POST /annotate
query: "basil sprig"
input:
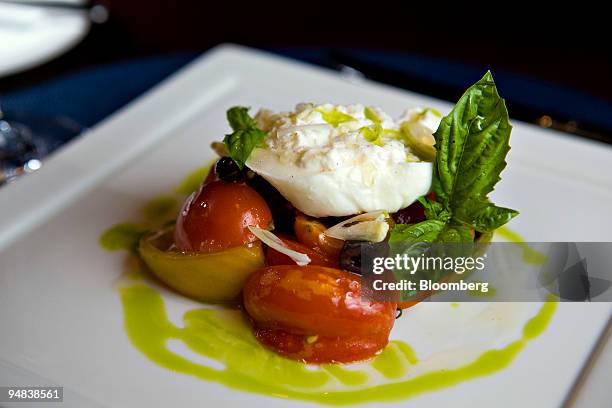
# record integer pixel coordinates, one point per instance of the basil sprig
(246, 135)
(472, 142)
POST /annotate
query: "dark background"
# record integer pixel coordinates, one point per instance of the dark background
(567, 47)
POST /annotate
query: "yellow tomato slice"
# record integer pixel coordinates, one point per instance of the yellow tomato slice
(215, 277)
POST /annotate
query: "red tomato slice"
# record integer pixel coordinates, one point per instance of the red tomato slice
(218, 215)
(319, 349)
(315, 300)
(316, 314)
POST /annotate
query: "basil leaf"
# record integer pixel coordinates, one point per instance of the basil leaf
(413, 239)
(241, 143)
(428, 237)
(455, 234)
(434, 210)
(239, 119)
(471, 144)
(425, 231)
(488, 217)
(246, 135)
(430, 231)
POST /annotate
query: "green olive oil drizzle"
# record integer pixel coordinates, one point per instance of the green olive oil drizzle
(530, 255)
(161, 209)
(223, 336)
(122, 236)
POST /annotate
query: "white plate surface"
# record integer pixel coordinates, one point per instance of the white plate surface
(30, 35)
(61, 320)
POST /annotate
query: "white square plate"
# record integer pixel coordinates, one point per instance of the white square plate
(61, 320)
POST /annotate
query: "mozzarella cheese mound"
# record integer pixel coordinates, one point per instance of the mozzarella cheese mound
(337, 160)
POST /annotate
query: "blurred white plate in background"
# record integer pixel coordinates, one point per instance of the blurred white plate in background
(30, 35)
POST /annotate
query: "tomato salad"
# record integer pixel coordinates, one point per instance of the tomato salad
(278, 224)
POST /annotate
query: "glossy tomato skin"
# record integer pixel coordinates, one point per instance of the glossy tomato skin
(273, 257)
(212, 174)
(315, 300)
(217, 217)
(310, 232)
(320, 349)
